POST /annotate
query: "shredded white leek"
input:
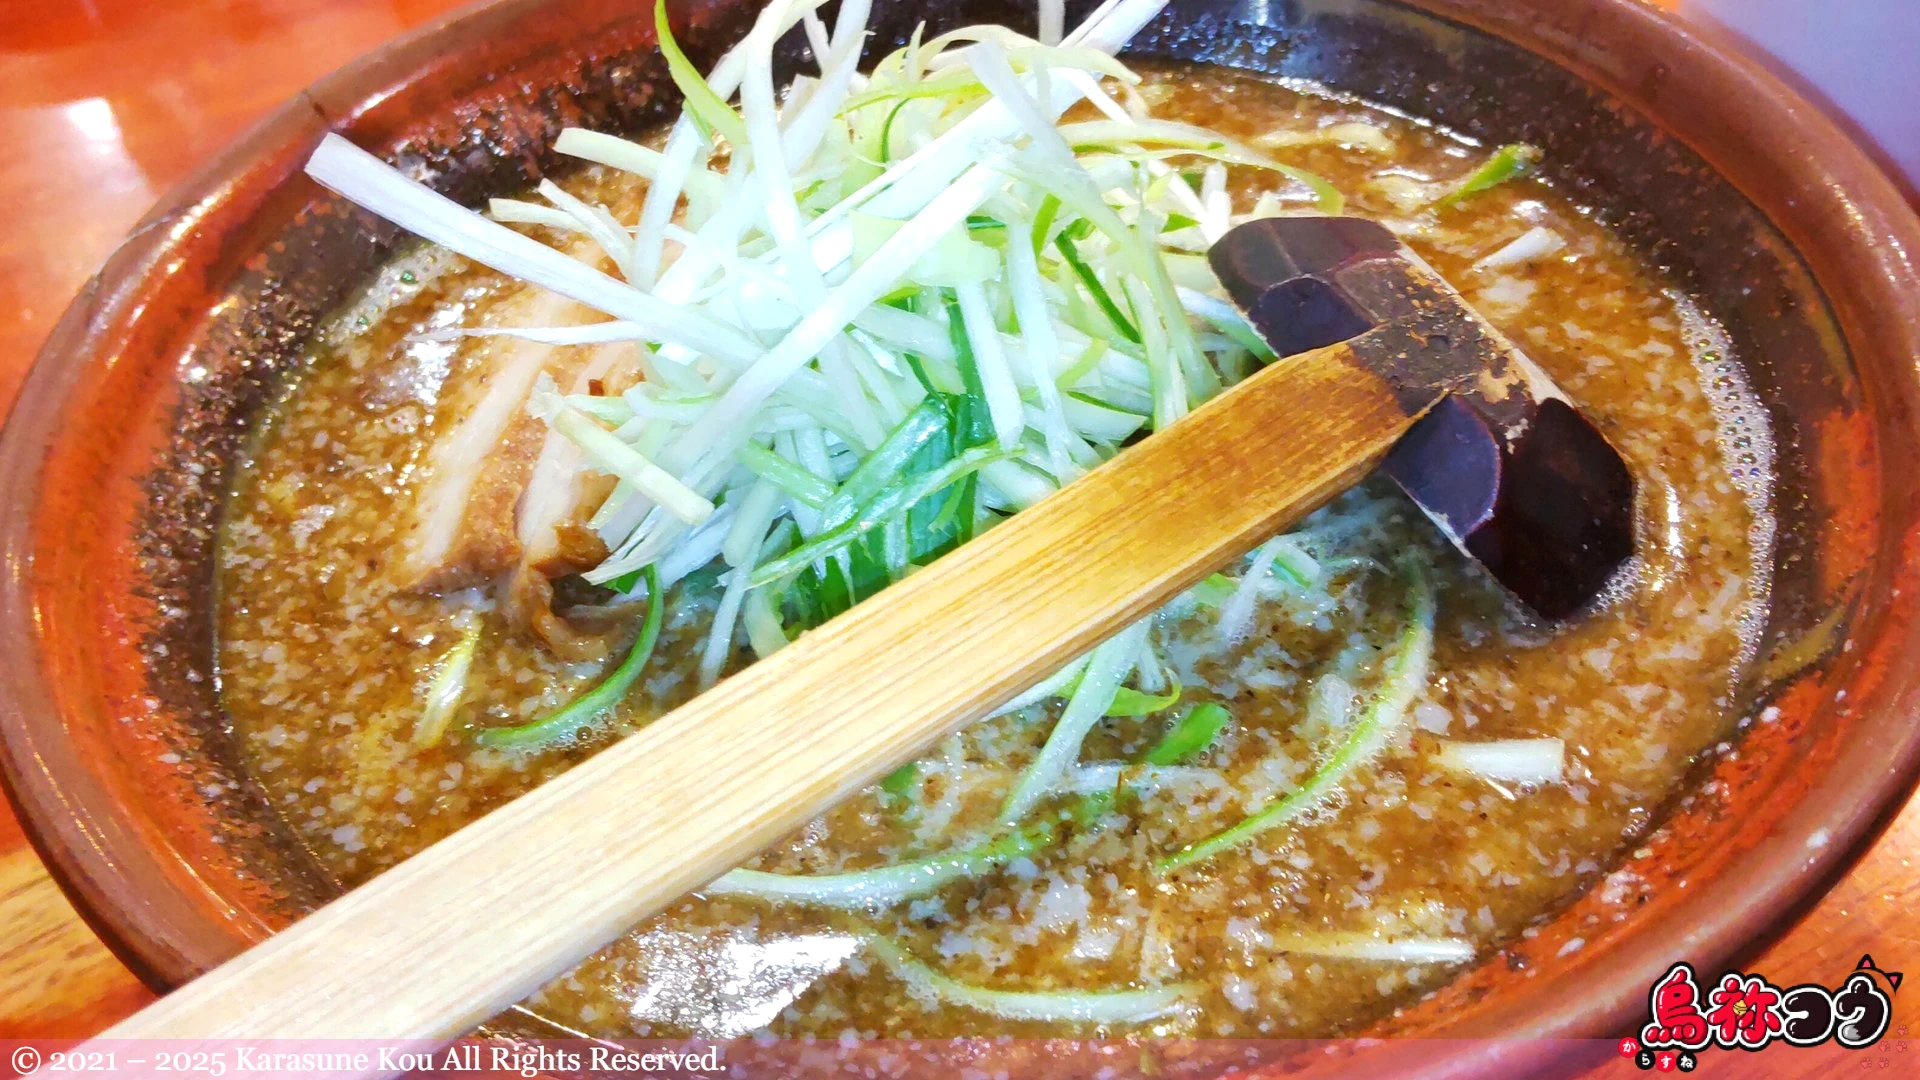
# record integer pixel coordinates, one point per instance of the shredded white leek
(1405, 676)
(448, 687)
(618, 458)
(877, 316)
(1531, 246)
(1073, 1006)
(1515, 761)
(819, 256)
(1107, 667)
(884, 885)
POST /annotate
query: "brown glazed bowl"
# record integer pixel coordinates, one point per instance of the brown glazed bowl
(114, 462)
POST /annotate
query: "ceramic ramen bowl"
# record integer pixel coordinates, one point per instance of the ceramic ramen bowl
(114, 463)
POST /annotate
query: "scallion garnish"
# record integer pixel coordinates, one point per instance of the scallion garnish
(705, 106)
(1404, 677)
(1508, 162)
(899, 305)
(1130, 702)
(1071, 253)
(883, 885)
(566, 723)
(1191, 734)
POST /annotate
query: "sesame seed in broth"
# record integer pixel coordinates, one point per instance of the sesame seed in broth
(324, 665)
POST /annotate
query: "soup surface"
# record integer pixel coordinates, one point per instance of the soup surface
(1410, 868)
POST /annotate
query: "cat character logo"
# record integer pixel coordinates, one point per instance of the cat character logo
(1746, 1012)
(1862, 1011)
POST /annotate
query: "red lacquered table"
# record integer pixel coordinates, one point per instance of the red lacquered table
(105, 103)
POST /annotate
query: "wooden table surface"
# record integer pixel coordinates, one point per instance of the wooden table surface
(105, 103)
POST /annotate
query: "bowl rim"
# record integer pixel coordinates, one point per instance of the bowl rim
(1782, 153)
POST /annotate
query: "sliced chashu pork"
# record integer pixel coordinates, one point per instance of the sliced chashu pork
(467, 526)
(563, 490)
(551, 525)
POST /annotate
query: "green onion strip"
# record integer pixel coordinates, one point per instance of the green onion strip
(566, 724)
(1404, 678)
